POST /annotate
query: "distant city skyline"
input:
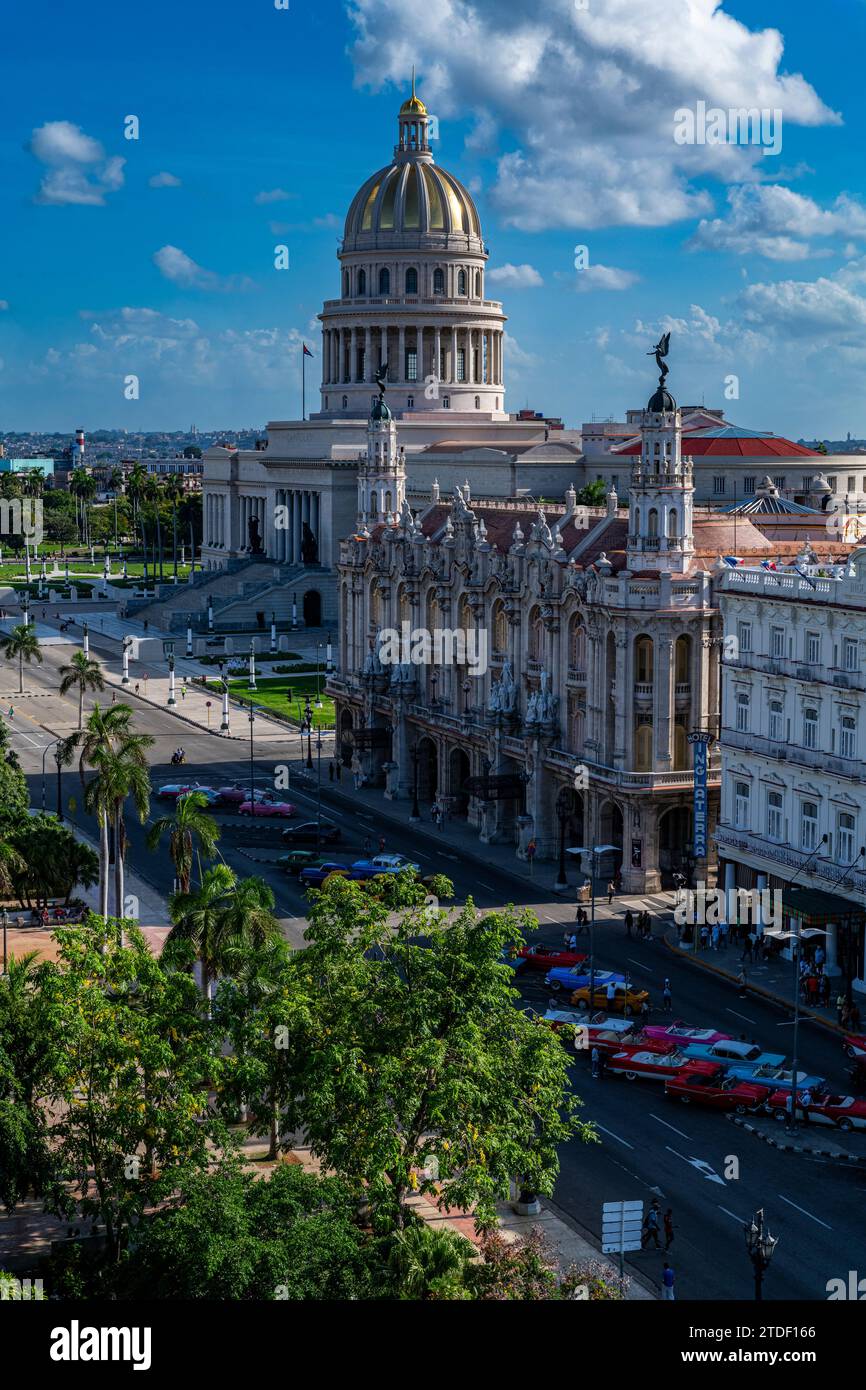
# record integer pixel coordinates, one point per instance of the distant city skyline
(153, 257)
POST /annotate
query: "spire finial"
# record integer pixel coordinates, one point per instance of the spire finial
(413, 79)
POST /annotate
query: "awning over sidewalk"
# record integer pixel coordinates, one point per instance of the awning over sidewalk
(815, 908)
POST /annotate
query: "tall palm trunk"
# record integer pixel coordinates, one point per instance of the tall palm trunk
(103, 865)
(81, 705)
(118, 860)
(159, 539)
(174, 540)
(20, 673)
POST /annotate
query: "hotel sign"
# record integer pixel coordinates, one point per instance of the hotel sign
(700, 742)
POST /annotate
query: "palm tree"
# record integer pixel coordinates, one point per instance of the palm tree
(105, 729)
(191, 831)
(115, 485)
(22, 643)
(220, 915)
(153, 493)
(11, 863)
(122, 771)
(175, 494)
(85, 673)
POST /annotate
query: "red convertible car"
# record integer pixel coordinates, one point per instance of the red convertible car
(639, 1064)
(855, 1046)
(843, 1112)
(702, 1083)
(540, 957)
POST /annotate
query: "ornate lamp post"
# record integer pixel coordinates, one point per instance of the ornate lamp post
(172, 698)
(760, 1245)
(225, 726)
(308, 723)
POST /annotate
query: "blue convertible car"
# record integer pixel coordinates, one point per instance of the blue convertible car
(559, 978)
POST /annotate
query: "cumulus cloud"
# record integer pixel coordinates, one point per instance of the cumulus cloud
(273, 195)
(581, 102)
(77, 169)
(182, 270)
(605, 277)
(164, 180)
(328, 222)
(777, 223)
(515, 277)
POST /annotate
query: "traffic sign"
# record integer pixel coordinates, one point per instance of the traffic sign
(622, 1224)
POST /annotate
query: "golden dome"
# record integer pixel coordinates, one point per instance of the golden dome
(414, 106)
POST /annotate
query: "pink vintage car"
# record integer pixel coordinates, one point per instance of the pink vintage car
(268, 804)
(679, 1032)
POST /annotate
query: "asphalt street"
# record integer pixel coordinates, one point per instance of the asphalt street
(649, 1147)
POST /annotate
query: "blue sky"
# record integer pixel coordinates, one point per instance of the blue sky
(154, 256)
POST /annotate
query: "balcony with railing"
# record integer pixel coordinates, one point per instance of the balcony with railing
(852, 769)
(781, 858)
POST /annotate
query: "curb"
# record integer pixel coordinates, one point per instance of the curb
(805, 1013)
(855, 1160)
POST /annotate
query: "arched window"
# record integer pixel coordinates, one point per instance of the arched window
(643, 748)
(411, 280)
(682, 657)
(362, 282)
(384, 280)
(577, 645)
(643, 660)
(345, 284)
(461, 282)
(500, 629)
(681, 748)
(478, 284)
(536, 635)
(578, 730)
(438, 281)
(673, 524)
(652, 524)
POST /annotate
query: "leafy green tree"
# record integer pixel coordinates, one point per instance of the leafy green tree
(105, 729)
(121, 772)
(416, 1068)
(61, 528)
(221, 914)
(82, 673)
(192, 832)
(52, 862)
(429, 1264)
(21, 644)
(257, 1007)
(14, 796)
(24, 1065)
(230, 1236)
(134, 1058)
(593, 494)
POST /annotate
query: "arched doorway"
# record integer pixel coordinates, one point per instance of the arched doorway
(313, 608)
(675, 842)
(459, 771)
(610, 833)
(347, 738)
(428, 769)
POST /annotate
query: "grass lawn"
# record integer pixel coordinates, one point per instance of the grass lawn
(272, 694)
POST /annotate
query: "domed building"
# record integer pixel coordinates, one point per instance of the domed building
(412, 265)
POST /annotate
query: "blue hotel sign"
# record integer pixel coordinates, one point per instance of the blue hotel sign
(700, 743)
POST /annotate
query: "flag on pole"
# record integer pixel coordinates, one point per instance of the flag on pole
(307, 352)
(767, 565)
(731, 560)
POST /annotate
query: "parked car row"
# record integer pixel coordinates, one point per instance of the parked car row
(264, 801)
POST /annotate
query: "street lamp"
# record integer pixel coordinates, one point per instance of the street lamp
(760, 1245)
(595, 852)
(252, 718)
(795, 938)
(59, 763)
(319, 646)
(225, 726)
(308, 720)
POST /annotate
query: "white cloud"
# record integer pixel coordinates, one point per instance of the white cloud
(515, 277)
(273, 195)
(4, 305)
(182, 270)
(582, 102)
(329, 221)
(164, 180)
(605, 277)
(777, 223)
(77, 170)
(517, 358)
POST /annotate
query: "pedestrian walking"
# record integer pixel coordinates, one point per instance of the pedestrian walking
(742, 986)
(339, 770)
(611, 889)
(651, 1227)
(11, 711)
(668, 1283)
(611, 996)
(572, 942)
(747, 949)
(595, 1059)
(136, 687)
(667, 998)
(705, 937)
(629, 923)
(716, 937)
(381, 844)
(669, 1229)
(825, 991)
(368, 845)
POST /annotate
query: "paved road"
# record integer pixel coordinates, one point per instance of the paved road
(648, 1146)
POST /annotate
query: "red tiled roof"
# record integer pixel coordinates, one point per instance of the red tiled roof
(732, 447)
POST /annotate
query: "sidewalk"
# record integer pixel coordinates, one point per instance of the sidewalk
(773, 979)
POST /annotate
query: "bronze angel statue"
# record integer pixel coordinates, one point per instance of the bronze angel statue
(660, 352)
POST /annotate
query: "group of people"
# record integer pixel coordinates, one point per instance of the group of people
(640, 923)
(849, 1014)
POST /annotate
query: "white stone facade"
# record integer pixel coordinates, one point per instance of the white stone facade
(793, 740)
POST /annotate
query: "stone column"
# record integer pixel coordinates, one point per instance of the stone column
(368, 354)
(664, 694)
(452, 375)
(437, 350)
(296, 527)
(401, 354)
(624, 704)
(383, 346)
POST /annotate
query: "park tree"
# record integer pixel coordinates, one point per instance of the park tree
(133, 1060)
(21, 644)
(25, 1053)
(14, 796)
(52, 862)
(417, 1070)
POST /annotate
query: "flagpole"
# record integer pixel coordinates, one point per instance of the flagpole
(303, 383)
